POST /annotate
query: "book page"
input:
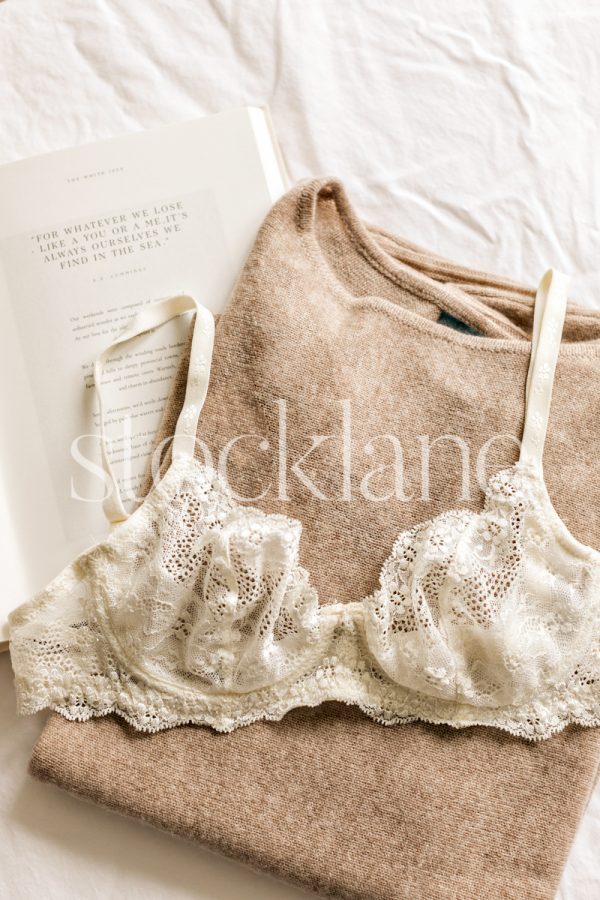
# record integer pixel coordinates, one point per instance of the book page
(87, 237)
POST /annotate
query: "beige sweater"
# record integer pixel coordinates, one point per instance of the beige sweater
(329, 309)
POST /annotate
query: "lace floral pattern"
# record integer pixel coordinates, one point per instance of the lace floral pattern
(196, 610)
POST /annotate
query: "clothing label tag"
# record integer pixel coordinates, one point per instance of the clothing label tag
(458, 325)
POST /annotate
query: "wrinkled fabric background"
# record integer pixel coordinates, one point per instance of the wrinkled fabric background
(471, 128)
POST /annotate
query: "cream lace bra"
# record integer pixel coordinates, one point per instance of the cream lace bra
(195, 609)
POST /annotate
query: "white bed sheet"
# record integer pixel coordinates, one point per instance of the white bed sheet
(470, 127)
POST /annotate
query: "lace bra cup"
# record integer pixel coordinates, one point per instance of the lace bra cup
(195, 609)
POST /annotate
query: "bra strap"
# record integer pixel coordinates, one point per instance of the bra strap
(149, 318)
(548, 320)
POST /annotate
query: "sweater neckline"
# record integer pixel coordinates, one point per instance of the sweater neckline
(447, 296)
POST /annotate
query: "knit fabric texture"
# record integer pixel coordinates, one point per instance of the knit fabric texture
(337, 327)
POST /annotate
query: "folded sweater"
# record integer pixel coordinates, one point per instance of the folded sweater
(331, 315)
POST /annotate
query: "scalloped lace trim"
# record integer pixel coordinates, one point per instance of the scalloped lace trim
(196, 610)
(151, 711)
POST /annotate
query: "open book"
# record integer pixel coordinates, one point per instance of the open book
(87, 236)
